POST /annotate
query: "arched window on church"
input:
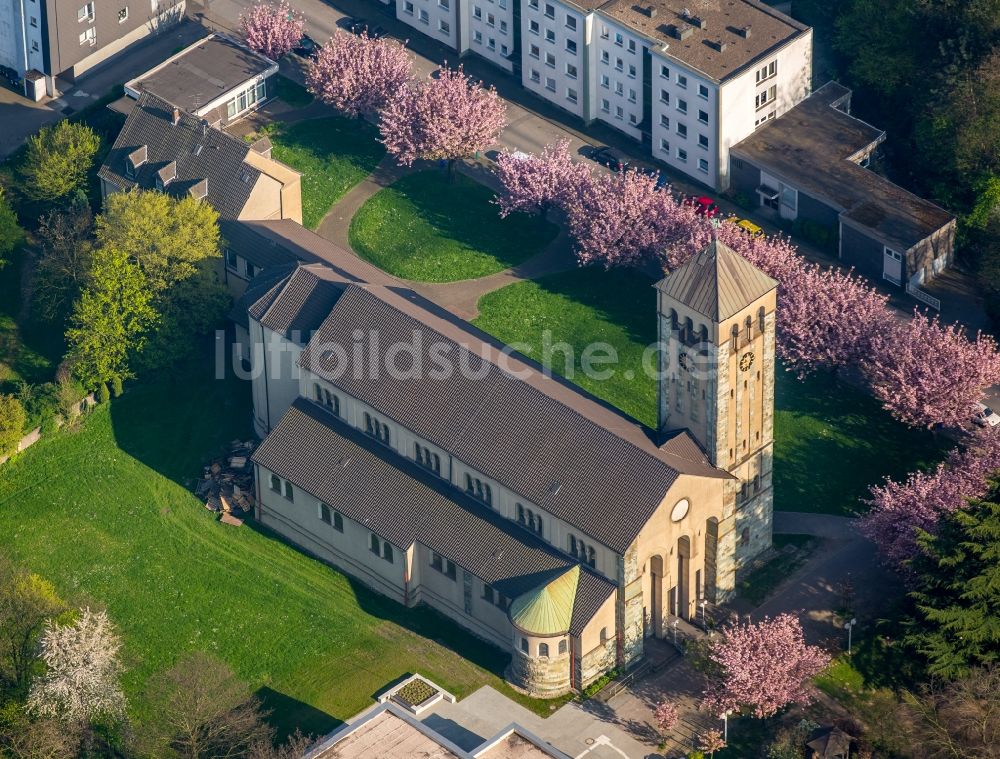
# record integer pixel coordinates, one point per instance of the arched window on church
(688, 329)
(704, 333)
(604, 635)
(745, 537)
(562, 646)
(749, 328)
(760, 319)
(736, 338)
(543, 650)
(673, 321)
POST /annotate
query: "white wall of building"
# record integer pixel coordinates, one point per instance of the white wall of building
(438, 19)
(618, 90)
(554, 53)
(685, 116)
(488, 30)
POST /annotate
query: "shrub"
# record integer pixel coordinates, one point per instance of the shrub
(116, 387)
(12, 418)
(57, 159)
(41, 403)
(11, 234)
(70, 393)
(103, 394)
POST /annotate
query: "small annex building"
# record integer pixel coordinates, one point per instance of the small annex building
(811, 165)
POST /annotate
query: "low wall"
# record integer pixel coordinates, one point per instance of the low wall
(36, 434)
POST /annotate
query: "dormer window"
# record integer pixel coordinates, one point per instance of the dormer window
(166, 175)
(199, 190)
(134, 160)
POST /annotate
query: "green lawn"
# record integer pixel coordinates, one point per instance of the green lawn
(333, 154)
(831, 440)
(428, 229)
(101, 512)
(761, 583)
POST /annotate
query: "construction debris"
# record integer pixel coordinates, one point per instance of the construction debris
(227, 484)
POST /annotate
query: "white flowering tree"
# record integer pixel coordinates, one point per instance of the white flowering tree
(81, 681)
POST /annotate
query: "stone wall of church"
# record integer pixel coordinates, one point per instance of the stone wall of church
(542, 677)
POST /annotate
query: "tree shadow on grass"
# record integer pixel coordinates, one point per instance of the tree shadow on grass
(286, 711)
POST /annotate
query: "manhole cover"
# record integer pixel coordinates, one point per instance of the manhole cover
(589, 741)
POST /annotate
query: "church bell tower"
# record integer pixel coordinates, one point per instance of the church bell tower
(716, 324)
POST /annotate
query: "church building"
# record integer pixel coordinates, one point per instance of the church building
(427, 460)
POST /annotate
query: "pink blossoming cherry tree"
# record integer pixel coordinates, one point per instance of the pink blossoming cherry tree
(538, 183)
(272, 30)
(444, 118)
(358, 74)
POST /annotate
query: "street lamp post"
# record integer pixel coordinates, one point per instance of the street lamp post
(849, 626)
(725, 726)
(676, 622)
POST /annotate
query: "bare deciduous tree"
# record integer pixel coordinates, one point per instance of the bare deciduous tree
(958, 720)
(203, 710)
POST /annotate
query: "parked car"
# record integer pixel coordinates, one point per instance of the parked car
(750, 228)
(377, 32)
(353, 25)
(306, 47)
(613, 159)
(984, 416)
(651, 171)
(704, 206)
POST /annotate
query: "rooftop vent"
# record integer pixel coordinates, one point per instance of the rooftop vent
(648, 10)
(698, 21)
(198, 148)
(718, 45)
(199, 190)
(175, 116)
(681, 31)
(744, 31)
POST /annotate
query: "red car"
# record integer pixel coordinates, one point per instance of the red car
(704, 206)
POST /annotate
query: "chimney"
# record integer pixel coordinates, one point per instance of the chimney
(719, 45)
(204, 127)
(744, 31)
(176, 116)
(699, 22)
(650, 10)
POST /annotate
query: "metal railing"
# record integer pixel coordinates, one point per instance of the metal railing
(889, 278)
(923, 297)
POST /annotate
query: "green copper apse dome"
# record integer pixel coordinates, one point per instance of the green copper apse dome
(548, 609)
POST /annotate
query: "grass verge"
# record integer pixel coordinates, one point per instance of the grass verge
(428, 229)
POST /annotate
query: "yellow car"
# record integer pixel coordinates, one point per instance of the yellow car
(750, 228)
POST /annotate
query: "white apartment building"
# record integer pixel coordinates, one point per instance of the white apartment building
(619, 52)
(437, 19)
(555, 57)
(488, 29)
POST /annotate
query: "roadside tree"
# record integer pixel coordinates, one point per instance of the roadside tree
(272, 29)
(358, 74)
(538, 183)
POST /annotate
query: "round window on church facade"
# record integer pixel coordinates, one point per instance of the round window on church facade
(680, 510)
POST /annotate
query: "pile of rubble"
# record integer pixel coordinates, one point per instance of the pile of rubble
(227, 484)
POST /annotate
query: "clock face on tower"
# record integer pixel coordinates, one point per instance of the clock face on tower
(746, 361)
(682, 360)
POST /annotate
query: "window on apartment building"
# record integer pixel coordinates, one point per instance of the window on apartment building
(408, 7)
(606, 106)
(275, 483)
(682, 81)
(605, 34)
(682, 130)
(619, 39)
(34, 46)
(605, 57)
(761, 119)
(631, 95)
(443, 565)
(534, 51)
(570, 22)
(664, 72)
(491, 43)
(479, 489)
(34, 22)
(477, 37)
(89, 36)
(502, 4)
(535, 76)
(550, 10)
(289, 491)
(376, 429)
(619, 89)
(767, 71)
(619, 64)
(766, 96)
(533, 27)
(703, 117)
(631, 46)
(682, 105)
(703, 141)
(503, 27)
(550, 60)
(571, 71)
(605, 81)
(665, 97)
(427, 458)
(571, 47)
(633, 119)
(477, 12)
(491, 20)
(664, 121)
(533, 4)
(703, 165)
(504, 51)
(424, 16)
(571, 95)
(664, 146)
(619, 112)
(550, 36)
(703, 91)
(86, 13)
(682, 154)
(550, 84)
(444, 4)
(123, 15)
(444, 27)
(528, 518)
(631, 71)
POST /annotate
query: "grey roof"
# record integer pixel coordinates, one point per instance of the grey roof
(813, 147)
(260, 292)
(717, 282)
(297, 305)
(202, 72)
(536, 435)
(721, 22)
(403, 503)
(277, 242)
(200, 154)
